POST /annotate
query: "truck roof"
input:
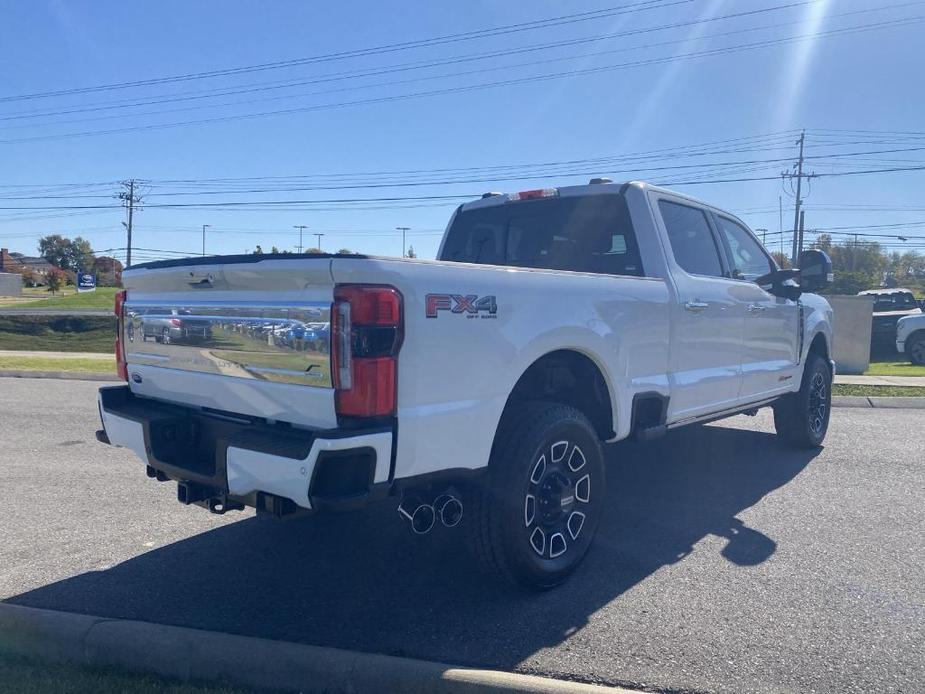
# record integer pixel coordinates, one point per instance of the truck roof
(597, 187)
(878, 292)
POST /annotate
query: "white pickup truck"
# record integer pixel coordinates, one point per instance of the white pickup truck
(476, 389)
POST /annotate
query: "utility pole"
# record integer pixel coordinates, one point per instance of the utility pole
(318, 236)
(800, 243)
(204, 227)
(129, 199)
(764, 237)
(780, 221)
(301, 228)
(799, 175)
(403, 230)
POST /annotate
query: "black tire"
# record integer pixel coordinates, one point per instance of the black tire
(915, 348)
(534, 517)
(802, 418)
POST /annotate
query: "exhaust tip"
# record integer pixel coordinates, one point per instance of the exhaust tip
(422, 517)
(450, 510)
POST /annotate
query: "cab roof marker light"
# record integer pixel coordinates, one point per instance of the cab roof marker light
(533, 194)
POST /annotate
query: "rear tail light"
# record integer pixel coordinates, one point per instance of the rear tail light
(533, 194)
(121, 365)
(366, 337)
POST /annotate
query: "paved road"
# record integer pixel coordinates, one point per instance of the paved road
(725, 563)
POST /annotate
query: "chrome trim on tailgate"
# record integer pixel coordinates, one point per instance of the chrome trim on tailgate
(269, 341)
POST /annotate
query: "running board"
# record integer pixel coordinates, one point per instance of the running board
(738, 409)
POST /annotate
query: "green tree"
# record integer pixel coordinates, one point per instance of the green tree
(411, 253)
(54, 249)
(345, 251)
(782, 260)
(62, 252)
(55, 280)
(258, 250)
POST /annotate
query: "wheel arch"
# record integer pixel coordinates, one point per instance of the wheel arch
(819, 345)
(572, 377)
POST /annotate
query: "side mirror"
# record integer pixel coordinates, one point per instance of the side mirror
(782, 283)
(815, 270)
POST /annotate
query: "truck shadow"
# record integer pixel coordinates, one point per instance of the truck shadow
(363, 581)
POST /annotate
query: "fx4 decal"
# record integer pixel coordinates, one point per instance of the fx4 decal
(472, 305)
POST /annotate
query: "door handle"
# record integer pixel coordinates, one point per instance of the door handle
(696, 306)
(755, 308)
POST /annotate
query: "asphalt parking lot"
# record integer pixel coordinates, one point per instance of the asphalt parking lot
(724, 562)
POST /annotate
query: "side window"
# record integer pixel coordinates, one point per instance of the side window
(748, 259)
(691, 240)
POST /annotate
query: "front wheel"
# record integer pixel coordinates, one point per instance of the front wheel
(915, 348)
(802, 418)
(536, 514)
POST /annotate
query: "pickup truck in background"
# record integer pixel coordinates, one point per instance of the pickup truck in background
(910, 338)
(890, 306)
(477, 389)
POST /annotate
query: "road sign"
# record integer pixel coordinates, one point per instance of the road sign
(86, 282)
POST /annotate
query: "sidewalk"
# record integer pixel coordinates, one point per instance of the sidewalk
(915, 381)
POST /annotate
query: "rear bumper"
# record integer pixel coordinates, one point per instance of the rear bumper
(274, 467)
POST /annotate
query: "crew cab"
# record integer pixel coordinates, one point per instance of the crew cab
(478, 389)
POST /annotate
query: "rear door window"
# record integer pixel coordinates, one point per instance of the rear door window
(691, 238)
(590, 233)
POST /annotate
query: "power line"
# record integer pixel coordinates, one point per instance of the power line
(363, 52)
(904, 22)
(418, 65)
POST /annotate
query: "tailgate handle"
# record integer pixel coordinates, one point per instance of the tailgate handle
(204, 283)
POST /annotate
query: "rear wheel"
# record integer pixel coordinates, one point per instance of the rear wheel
(536, 514)
(802, 418)
(915, 348)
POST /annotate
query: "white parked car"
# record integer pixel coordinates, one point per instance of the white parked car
(910, 338)
(478, 388)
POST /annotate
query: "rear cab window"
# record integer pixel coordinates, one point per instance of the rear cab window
(692, 242)
(589, 233)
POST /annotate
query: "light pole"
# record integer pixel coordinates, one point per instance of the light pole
(301, 228)
(204, 227)
(403, 230)
(318, 236)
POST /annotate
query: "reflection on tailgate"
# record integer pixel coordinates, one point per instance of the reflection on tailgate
(269, 341)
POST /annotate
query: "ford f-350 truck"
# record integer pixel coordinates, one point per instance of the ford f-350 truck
(477, 389)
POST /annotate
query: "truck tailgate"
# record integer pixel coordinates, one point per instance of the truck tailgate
(242, 337)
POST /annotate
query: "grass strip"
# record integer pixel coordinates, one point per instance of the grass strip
(27, 676)
(76, 364)
(895, 368)
(878, 391)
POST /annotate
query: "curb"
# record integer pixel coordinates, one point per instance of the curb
(879, 402)
(191, 654)
(67, 375)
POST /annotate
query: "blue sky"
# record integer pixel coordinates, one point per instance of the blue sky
(847, 71)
